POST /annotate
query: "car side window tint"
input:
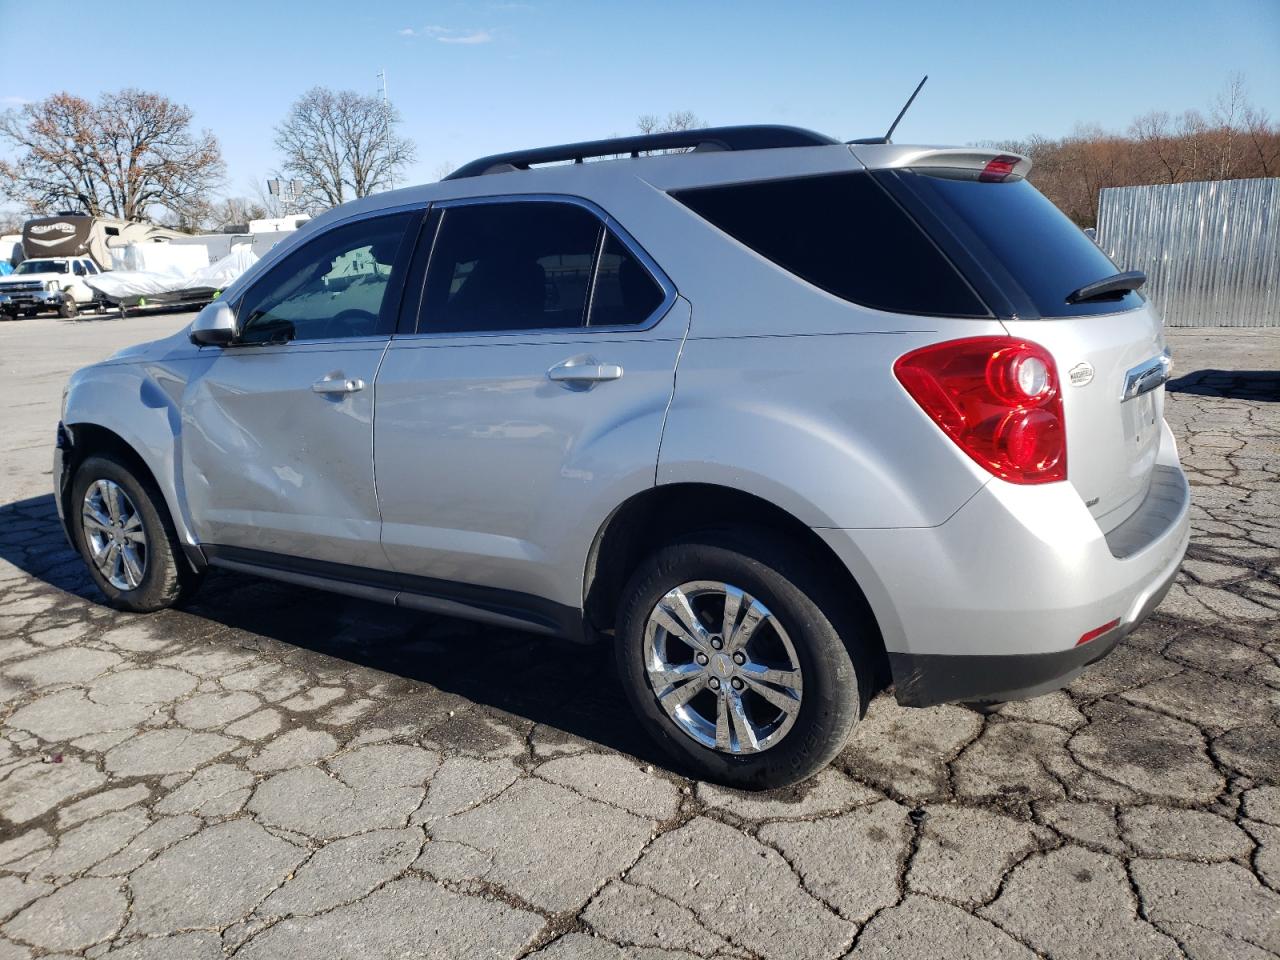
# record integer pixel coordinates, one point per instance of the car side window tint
(844, 234)
(79, 268)
(333, 286)
(520, 265)
(624, 291)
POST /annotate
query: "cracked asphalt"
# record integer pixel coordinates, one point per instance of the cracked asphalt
(274, 772)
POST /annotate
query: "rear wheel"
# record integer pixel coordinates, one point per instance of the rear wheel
(124, 533)
(731, 652)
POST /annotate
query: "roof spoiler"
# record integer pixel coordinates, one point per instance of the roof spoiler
(889, 156)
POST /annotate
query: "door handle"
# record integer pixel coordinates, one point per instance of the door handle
(587, 371)
(332, 385)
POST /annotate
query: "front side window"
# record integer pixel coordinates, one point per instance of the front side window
(333, 286)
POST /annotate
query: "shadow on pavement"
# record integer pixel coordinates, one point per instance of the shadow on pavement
(1233, 384)
(569, 687)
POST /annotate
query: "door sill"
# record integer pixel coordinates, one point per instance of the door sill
(466, 601)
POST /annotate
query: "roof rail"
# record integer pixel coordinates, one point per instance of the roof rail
(755, 137)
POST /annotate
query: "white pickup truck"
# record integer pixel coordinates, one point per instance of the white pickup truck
(47, 283)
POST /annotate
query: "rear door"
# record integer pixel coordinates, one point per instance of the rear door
(526, 398)
(1109, 349)
(277, 434)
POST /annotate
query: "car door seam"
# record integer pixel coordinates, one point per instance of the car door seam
(671, 395)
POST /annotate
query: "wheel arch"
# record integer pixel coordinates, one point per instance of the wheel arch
(88, 439)
(658, 514)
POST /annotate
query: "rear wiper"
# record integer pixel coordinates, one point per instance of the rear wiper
(1119, 284)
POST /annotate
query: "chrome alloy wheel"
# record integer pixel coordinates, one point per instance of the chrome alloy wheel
(113, 529)
(722, 667)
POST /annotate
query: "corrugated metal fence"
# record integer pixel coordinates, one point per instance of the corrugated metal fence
(1211, 250)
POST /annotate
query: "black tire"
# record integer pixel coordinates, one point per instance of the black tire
(167, 577)
(830, 636)
(67, 309)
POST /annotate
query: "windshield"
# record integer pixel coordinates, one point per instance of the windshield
(1044, 252)
(42, 266)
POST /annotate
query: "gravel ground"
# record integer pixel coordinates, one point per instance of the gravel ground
(276, 772)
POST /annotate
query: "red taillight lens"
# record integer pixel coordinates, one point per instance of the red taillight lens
(998, 398)
(997, 169)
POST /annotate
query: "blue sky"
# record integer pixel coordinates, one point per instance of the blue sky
(476, 78)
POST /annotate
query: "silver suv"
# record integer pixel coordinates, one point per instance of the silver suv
(781, 418)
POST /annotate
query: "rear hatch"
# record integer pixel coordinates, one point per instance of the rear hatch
(1035, 268)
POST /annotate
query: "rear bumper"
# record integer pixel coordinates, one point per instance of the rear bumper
(925, 679)
(992, 604)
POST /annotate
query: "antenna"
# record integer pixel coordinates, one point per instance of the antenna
(898, 119)
(382, 84)
(907, 106)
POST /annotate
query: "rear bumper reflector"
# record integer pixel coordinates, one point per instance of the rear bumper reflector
(1098, 631)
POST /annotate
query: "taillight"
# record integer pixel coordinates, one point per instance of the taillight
(998, 398)
(998, 168)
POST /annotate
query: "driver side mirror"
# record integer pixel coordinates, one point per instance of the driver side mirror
(214, 326)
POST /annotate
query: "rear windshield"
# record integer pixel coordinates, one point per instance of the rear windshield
(842, 233)
(1046, 254)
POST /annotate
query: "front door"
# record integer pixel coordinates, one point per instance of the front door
(527, 402)
(277, 434)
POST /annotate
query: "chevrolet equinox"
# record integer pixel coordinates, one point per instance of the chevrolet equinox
(783, 419)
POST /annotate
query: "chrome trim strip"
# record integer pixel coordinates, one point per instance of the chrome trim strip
(1146, 376)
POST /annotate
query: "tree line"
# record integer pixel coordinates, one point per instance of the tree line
(135, 155)
(1234, 140)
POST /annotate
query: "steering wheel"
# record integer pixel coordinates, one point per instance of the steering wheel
(352, 323)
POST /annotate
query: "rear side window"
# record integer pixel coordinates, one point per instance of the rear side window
(510, 266)
(624, 293)
(1044, 252)
(844, 234)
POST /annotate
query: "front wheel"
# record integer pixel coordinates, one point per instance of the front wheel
(730, 653)
(124, 533)
(68, 308)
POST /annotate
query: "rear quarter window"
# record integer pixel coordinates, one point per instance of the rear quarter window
(844, 234)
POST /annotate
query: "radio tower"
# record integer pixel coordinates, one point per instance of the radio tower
(386, 117)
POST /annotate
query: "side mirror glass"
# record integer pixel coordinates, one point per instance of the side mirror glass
(214, 326)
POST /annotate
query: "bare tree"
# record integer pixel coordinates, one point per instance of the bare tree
(672, 122)
(1155, 132)
(232, 211)
(341, 145)
(1227, 109)
(1264, 142)
(128, 153)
